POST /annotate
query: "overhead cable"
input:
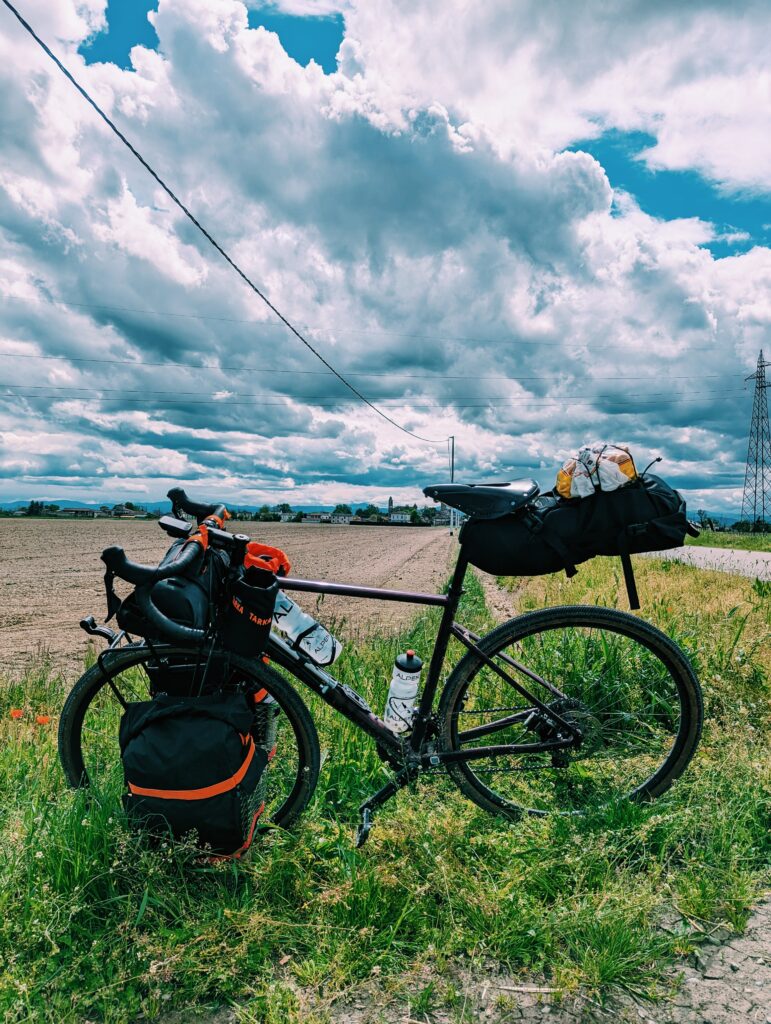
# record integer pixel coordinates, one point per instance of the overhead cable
(244, 277)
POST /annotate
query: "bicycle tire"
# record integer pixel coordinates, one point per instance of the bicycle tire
(621, 642)
(99, 767)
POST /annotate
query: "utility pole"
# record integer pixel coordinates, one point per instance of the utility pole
(756, 500)
(452, 479)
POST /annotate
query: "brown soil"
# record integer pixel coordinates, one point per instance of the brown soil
(52, 576)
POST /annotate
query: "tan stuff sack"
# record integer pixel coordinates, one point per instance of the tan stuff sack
(597, 467)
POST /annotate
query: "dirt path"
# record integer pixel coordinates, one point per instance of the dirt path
(755, 564)
(729, 984)
(51, 576)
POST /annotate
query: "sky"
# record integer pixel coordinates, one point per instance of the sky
(528, 226)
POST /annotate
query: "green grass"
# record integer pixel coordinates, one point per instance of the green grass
(741, 541)
(96, 926)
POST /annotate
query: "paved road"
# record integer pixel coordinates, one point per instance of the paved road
(755, 564)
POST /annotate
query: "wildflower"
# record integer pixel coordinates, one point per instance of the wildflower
(39, 855)
(16, 713)
(43, 719)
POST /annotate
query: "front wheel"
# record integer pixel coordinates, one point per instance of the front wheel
(628, 689)
(88, 728)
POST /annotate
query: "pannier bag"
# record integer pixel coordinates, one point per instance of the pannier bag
(551, 533)
(191, 764)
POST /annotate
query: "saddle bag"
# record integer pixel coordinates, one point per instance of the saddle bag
(551, 533)
(191, 765)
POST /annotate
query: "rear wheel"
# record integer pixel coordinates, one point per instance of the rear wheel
(88, 729)
(629, 690)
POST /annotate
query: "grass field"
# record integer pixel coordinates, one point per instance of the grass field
(94, 926)
(742, 541)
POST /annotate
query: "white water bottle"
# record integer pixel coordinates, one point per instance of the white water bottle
(405, 680)
(305, 632)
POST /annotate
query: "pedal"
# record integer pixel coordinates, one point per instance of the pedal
(364, 829)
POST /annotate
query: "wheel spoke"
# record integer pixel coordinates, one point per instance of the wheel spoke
(624, 686)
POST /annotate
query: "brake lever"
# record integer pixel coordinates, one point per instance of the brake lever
(89, 625)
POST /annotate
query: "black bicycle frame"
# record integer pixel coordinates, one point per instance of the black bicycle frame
(353, 707)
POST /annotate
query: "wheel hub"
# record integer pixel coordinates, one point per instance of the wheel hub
(577, 714)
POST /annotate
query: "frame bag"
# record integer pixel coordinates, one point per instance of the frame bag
(552, 533)
(191, 764)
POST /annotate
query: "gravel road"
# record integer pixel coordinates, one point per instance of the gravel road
(755, 564)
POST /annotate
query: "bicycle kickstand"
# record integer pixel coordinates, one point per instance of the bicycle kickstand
(368, 808)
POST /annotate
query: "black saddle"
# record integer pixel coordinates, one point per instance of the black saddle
(484, 501)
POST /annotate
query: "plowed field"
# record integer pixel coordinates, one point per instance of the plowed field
(51, 575)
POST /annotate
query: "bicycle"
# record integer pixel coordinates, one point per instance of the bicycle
(555, 711)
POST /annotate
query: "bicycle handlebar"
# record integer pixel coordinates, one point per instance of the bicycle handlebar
(134, 572)
(200, 510)
(174, 632)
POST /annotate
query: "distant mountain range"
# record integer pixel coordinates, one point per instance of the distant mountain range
(155, 506)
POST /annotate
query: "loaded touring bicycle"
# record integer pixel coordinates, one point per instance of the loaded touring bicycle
(559, 710)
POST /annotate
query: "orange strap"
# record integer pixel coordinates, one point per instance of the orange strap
(202, 537)
(262, 556)
(199, 794)
(237, 854)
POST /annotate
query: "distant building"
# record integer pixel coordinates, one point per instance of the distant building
(399, 517)
(317, 517)
(390, 506)
(287, 516)
(78, 513)
(341, 518)
(121, 512)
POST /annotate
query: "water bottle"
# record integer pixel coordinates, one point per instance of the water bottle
(405, 681)
(304, 632)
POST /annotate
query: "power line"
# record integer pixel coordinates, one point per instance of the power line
(666, 398)
(332, 329)
(244, 277)
(350, 373)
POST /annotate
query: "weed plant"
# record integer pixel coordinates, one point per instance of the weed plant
(97, 926)
(742, 541)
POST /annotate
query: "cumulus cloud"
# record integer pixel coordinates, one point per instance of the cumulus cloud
(415, 211)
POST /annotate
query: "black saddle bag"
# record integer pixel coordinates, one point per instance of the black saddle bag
(191, 765)
(551, 533)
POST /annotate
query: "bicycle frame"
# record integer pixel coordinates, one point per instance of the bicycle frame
(417, 752)
(349, 704)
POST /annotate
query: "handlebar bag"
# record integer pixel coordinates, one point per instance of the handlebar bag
(191, 765)
(185, 599)
(552, 533)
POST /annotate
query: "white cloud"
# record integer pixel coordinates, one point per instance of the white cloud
(412, 210)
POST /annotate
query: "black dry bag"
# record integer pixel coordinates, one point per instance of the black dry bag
(191, 765)
(552, 533)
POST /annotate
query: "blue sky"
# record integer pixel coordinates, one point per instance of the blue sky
(669, 194)
(662, 193)
(303, 38)
(434, 208)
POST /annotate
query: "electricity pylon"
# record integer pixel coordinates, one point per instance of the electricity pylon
(756, 501)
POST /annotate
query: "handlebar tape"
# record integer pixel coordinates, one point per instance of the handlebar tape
(174, 632)
(133, 572)
(201, 511)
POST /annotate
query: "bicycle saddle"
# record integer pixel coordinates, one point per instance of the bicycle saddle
(484, 501)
